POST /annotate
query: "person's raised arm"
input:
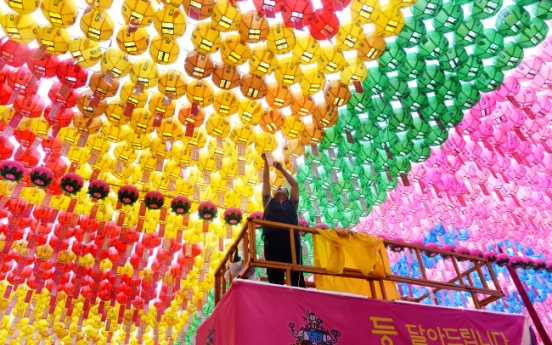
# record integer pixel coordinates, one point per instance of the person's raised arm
(294, 194)
(266, 177)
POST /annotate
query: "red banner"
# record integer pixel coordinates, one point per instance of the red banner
(254, 313)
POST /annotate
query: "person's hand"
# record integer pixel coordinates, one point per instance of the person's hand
(264, 157)
(278, 166)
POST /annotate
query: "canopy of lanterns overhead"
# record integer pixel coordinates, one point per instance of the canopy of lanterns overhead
(131, 144)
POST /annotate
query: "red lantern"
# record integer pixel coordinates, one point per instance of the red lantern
(74, 75)
(297, 14)
(67, 101)
(324, 24)
(269, 8)
(6, 93)
(23, 82)
(25, 138)
(336, 5)
(6, 148)
(46, 66)
(30, 105)
(4, 72)
(15, 54)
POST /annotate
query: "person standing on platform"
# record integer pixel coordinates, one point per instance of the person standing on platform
(281, 207)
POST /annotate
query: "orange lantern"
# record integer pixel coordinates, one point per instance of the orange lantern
(190, 119)
(89, 108)
(101, 86)
(172, 84)
(325, 116)
(198, 66)
(302, 105)
(372, 47)
(337, 93)
(272, 121)
(225, 76)
(199, 9)
(201, 92)
(278, 96)
(253, 86)
(312, 134)
(254, 27)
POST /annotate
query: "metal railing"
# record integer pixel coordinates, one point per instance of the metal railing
(463, 279)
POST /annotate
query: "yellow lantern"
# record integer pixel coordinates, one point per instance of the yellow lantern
(262, 61)
(234, 52)
(127, 95)
(293, 148)
(115, 62)
(331, 60)
(61, 13)
(337, 93)
(172, 83)
(390, 22)
(23, 7)
(201, 92)
(99, 84)
(19, 27)
(293, 127)
(372, 47)
(225, 76)
(132, 42)
(164, 51)
(265, 142)
(402, 3)
(145, 72)
(355, 71)
(199, 9)
(312, 134)
(254, 27)
(101, 4)
(313, 81)
(253, 87)
(85, 52)
(97, 25)
(114, 112)
(365, 11)
(250, 112)
(288, 72)
(226, 102)
(217, 126)
(205, 39)
(324, 116)
(170, 22)
(242, 136)
(159, 105)
(278, 96)
(142, 121)
(280, 39)
(226, 16)
(138, 12)
(55, 39)
(349, 36)
(272, 121)
(302, 105)
(198, 65)
(307, 50)
(170, 130)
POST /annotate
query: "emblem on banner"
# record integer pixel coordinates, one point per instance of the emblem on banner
(313, 333)
(210, 337)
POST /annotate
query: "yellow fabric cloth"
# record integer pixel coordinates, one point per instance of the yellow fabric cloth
(339, 249)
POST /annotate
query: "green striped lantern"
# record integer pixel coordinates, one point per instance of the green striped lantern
(542, 9)
(419, 130)
(401, 121)
(467, 97)
(412, 68)
(392, 58)
(396, 89)
(471, 69)
(400, 145)
(512, 20)
(376, 81)
(453, 59)
(426, 9)
(510, 57)
(359, 102)
(433, 45)
(412, 33)
(368, 130)
(490, 79)
(491, 44)
(331, 139)
(436, 136)
(450, 87)
(448, 18)
(420, 152)
(483, 9)
(380, 111)
(415, 100)
(469, 32)
(533, 34)
(431, 78)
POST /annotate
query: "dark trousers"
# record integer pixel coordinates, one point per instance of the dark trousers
(277, 248)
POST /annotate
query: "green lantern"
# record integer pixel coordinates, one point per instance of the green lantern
(526, 2)
(450, 87)
(392, 58)
(452, 117)
(489, 80)
(491, 44)
(344, 188)
(512, 20)
(347, 121)
(332, 167)
(542, 10)
(426, 9)
(380, 111)
(367, 153)
(471, 69)
(368, 130)
(383, 161)
(436, 136)
(374, 196)
(401, 169)
(453, 59)
(383, 142)
(359, 102)
(376, 81)
(348, 149)
(331, 139)
(433, 45)
(354, 173)
(463, 2)
(434, 109)
(420, 152)
(469, 32)
(510, 57)
(386, 182)
(412, 32)
(401, 121)
(533, 34)
(396, 89)
(400, 145)
(448, 18)
(419, 130)
(467, 97)
(304, 173)
(331, 216)
(412, 67)
(415, 100)
(483, 9)
(431, 78)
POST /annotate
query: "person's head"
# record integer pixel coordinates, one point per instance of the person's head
(281, 193)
